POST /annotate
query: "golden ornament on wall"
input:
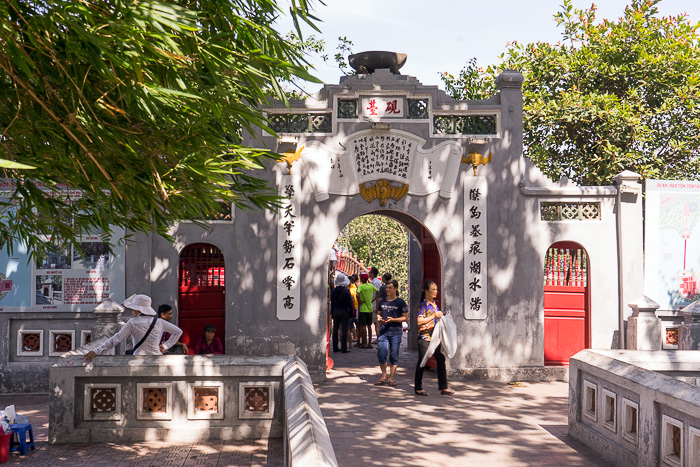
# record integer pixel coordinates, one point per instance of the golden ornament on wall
(476, 159)
(383, 190)
(290, 157)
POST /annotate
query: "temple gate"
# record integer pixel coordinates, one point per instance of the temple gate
(452, 172)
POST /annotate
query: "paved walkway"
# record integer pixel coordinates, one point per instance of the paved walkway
(152, 454)
(484, 424)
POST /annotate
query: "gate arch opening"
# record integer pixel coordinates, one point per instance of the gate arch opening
(201, 292)
(566, 302)
(423, 263)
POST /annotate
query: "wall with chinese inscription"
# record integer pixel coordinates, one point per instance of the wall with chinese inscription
(484, 212)
(384, 143)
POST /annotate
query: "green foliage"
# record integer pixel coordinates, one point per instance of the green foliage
(614, 95)
(473, 83)
(344, 49)
(139, 106)
(380, 242)
(304, 47)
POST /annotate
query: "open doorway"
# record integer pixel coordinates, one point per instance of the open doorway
(392, 242)
(201, 292)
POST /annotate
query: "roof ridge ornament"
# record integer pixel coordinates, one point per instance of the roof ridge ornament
(368, 62)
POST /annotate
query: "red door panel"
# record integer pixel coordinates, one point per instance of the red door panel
(202, 293)
(566, 309)
(431, 264)
(565, 300)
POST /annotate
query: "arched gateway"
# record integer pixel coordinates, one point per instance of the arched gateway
(384, 143)
(377, 142)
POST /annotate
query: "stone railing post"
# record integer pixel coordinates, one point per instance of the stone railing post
(689, 332)
(107, 323)
(644, 328)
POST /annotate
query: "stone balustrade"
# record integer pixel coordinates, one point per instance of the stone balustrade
(34, 341)
(637, 407)
(179, 398)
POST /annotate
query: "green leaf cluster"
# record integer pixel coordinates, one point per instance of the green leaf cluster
(140, 106)
(381, 242)
(612, 95)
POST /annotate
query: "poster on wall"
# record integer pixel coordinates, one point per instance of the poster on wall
(15, 270)
(67, 278)
(672, 242)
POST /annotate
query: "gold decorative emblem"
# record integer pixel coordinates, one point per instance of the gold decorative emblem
(290, 157)
(476, 159)
(383, 190)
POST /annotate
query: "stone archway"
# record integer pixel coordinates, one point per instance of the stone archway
(422, 248)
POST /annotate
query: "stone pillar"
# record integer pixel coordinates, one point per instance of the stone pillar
(107, 323)
(630, 238)
(644, 329)
(415, 284)
(509, 84)
(689, 332)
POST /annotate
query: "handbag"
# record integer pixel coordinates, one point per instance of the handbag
(138, 344)
(175, 350)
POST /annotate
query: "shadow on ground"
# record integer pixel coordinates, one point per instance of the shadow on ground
(485, 423)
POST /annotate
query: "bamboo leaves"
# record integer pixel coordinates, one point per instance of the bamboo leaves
(139, 106)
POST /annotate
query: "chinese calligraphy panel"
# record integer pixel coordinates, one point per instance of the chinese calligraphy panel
(369, 156)
(475, 248)
(387, 156)
(375, 108)
(288, 250)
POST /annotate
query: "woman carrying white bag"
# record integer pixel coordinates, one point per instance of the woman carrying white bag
(437, 336)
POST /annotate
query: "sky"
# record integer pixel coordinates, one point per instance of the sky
(442, 35)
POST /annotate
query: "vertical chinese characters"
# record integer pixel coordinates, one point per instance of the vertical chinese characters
(475, 248)
(288, 254)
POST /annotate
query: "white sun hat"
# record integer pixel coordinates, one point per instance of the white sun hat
(140, 303)
(341, 279)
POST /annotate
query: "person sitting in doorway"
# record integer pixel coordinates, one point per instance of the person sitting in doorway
(165, 312)
(209, 344)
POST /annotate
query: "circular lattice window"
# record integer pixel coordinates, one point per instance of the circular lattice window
(31, 342)
(154, 400)
(63, 342)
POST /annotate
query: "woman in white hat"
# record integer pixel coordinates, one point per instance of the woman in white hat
(342, 309)
(138, 326)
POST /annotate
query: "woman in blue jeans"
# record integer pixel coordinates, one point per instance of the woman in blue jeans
(392, 311)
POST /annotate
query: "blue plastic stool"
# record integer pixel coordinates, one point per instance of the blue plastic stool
(19, 432)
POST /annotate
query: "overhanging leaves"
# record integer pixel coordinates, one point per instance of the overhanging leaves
(138, 105)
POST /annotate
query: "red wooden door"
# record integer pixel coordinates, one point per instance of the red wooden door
(431, 264)
(202, 292)
(566, 303)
